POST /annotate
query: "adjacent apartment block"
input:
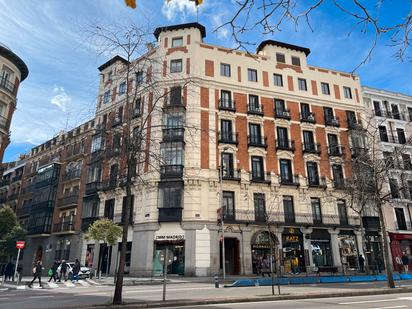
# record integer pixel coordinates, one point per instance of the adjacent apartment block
(12, 72)
(391, 115)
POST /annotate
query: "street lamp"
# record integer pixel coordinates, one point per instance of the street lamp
(222, 216)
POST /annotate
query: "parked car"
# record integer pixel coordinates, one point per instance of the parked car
(83, 273)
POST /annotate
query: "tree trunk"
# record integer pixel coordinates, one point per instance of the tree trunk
(107, 261)
(385, 247)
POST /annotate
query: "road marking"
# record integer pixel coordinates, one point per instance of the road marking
(368, 301)
(391, 307)
(45, 296)
(169, 289)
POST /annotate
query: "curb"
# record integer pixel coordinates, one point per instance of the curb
(184, 303)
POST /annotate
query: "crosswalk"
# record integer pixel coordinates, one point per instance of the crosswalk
(61, 285)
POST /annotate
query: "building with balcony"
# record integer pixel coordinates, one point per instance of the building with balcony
(390, 114)
(10, 182)
(13, 71)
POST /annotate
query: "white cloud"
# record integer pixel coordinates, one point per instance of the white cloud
(178, 8)
(61, 98)
(221, 33)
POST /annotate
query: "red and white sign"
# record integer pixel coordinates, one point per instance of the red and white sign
(20, 244)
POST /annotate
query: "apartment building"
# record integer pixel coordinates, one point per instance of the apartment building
(10, 182)
(391, 116)
(50, 198)
(13, 71)
(277, 130)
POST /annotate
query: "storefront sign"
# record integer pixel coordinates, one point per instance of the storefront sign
(399, 236)
(292, 238)
(170, 237)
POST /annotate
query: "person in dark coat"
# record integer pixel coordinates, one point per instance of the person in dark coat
(63, 271)
(361, 263)
(37, 269)
(53, 271)
(405, 262)
(76, 270)
(9, 271)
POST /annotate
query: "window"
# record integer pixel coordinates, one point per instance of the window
(342, 212)
(280, 57)
(255, 133)
(308, 141)
(407, 164)
(328, 113)
(400, 218)
(225, 69)
(226, 129)
(383, 134)
(228, 205)
(227, 164)
(302, 84)
(109, 209)
(395, 111)
(106, 97)
(254, 103)
(176, 95)
(283, 139)
(288, 209)
(295, 60)
(388, 159)
(257, 168)
(316, 210)
(377, 107)
(117, 140)
(410, 113)
(252, 75)
(122, 88)
(401, 136)
(325, 88)
(313, 175)
(138, 105)
(286, 171)
(110, 76)
(278, 80)
(351, 118)
(226, 99)
(97, 143)
(333, 143)
(139, 78)
(393, 186)
(172, 154)
(176, 66)
(177, 42)
(347, 92)
(280, 108)
(260, 206)
(170, 195)
(337, 173)
(305, 110)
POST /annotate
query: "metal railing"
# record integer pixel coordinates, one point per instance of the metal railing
(311, 148)
(291, 181)
(227, 105)
(257, 141)
(285, 144)
(332, 121)
(228, 138)
(92, 187)
(336, 151)
(171, 171)
(72, 174)
(69, 200)
(7, 85)
(307, 117)
(282, 114)
(231, 174)
(320, 182)
(63, 227)
(254, 109)
(173, 134)
(260, 177)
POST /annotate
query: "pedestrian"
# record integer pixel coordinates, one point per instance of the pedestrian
(76, 270)
(295, 265)
(361, 263)
(37, 269)
(63, 271)
(265, 266)
(19, 271)
(9, 271)
(405, 262)
(53, 271)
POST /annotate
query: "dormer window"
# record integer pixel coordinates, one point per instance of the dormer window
(296, 61)
(280, 57)
(177, 42)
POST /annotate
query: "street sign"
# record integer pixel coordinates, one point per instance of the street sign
(20, 244)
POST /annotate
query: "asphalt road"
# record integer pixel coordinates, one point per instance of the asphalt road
(64, 297)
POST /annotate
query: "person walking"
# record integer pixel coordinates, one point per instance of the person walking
(63, 271)
(9, 271)
(76, 270)
(19, 272)
(53, 271)
(265, 266)
(405, 262)
(37, 269)
(361, 263)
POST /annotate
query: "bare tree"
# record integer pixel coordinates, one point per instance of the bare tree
(142, 69)
(270, 16)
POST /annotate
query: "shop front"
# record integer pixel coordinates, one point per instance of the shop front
(400, 243)
(348, 249)
(374, 252)
(293, 251)
(260, 244)
(174, 244)
(321, 248)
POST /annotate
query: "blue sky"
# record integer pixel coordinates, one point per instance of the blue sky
(60, 91)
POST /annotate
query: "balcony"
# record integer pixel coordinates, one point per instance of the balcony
(86, 222)
(282, 114)
(174, 134)
(72, 175)
(317, 183)
(253, 109)
(359, 152)
(371, 222)
(227, 105)
(75, 152)
(257, 141)
(39, 229)
(92, 187)
(136, 112)
(353, 124)
(50, 181)
(16, 178)
(307, 117)
(7, 85)
(4, 182)
(332, 122)
(109, 184)
(171, 171)
(70, 200)
(113, 152)
(289, 180)
(260, 217)
(395, 139)
(63, 227)
(336, 151)
(23, 211)
(4, 123)
(170, 214)
(231, 174)
(260, 177)
(27, 189)
(43, 206)
(314, 148)
(339, 184)
(97, 155)
(285, 144)
(228, 138)
(116, 121)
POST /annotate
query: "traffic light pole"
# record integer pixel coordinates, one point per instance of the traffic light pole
(17, 265)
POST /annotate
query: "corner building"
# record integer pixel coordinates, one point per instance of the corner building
(279, 128)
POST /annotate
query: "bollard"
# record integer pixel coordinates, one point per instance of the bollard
(216, 282)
